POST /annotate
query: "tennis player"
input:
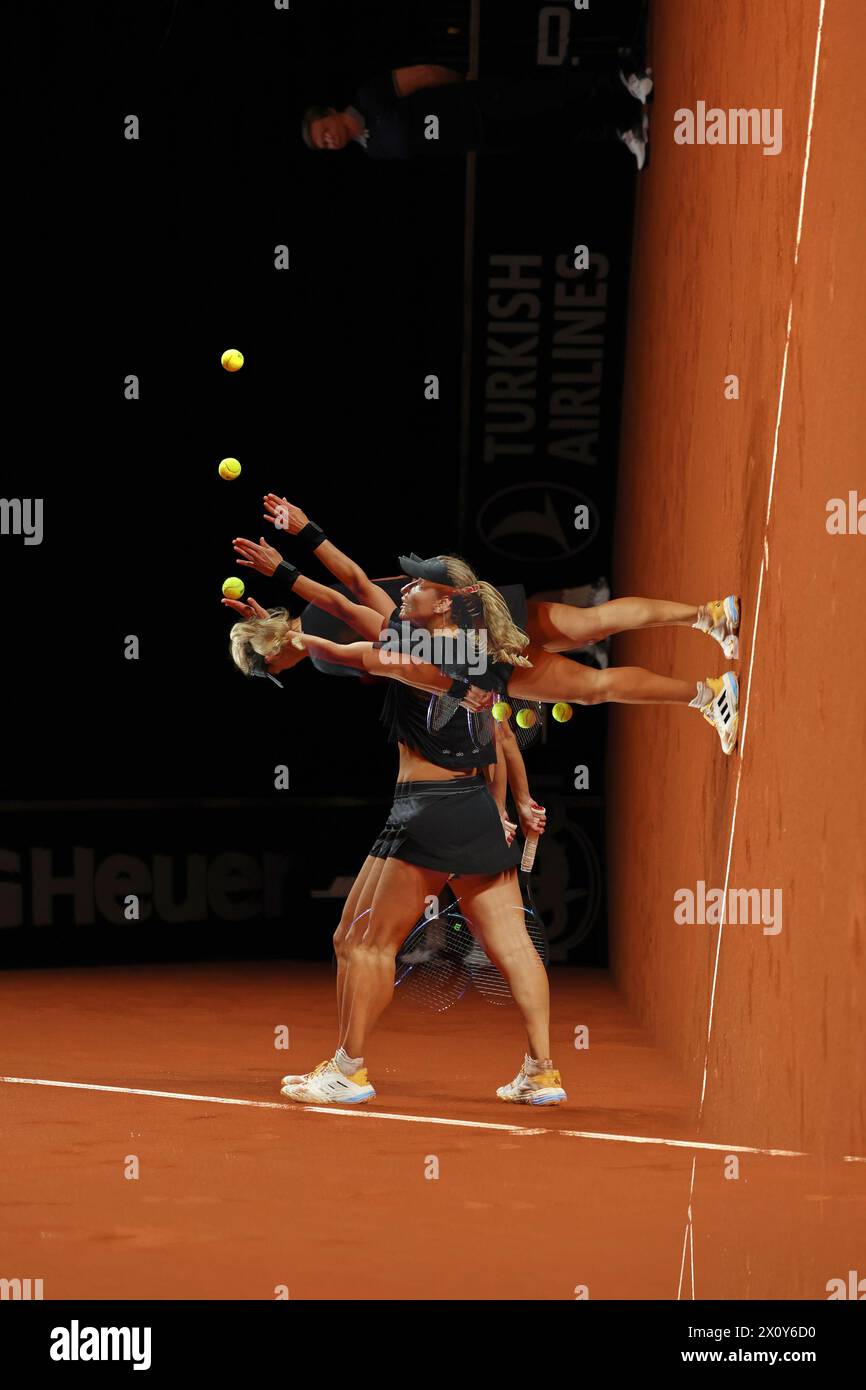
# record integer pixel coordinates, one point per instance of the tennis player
(444, 824)
(527, 663)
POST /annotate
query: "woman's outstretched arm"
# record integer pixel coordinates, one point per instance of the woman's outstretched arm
(399, 666)
(367, 622)
(286, 516)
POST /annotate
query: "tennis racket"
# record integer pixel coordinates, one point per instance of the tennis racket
(527, 859)
(442, 709)
(531, 730)
(431, 967)
(487, 978)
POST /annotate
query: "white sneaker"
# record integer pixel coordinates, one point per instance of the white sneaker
(723, 711)
(295, 1078)
(544, 1088)
(639, 86)
(720, 618)
(326, 1085)
(635, 144)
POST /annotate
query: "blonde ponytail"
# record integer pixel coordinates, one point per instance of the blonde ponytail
(505, 640)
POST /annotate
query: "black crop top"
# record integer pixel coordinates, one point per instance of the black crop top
(467, 739)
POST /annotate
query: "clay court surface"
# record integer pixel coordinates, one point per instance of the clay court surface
(705, 1042)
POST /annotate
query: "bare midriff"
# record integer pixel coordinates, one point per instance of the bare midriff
(414, 768)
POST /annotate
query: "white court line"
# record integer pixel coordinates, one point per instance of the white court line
(355, 1113)
(803, 182)
(263, 1104)
(687, 1233)
(722, 919)
(690, 1144)
(765, 561)
(683, 1257)
(764, 557)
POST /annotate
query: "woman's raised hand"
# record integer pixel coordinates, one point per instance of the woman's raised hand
(248, 610)
(284, 515)
(261, 557)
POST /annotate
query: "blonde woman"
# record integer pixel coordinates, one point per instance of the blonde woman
(444, 824)
(527, 663)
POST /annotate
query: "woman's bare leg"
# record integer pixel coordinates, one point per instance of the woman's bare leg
(552, 678)
(371, 950)
(354, 918)
(559, 627)
(494, 909)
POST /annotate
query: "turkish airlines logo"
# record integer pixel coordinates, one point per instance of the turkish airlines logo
(538, 522)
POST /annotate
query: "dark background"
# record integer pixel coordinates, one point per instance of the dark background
(153, 256)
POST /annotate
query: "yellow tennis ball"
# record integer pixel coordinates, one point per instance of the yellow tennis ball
(232, 360)
(562, 713)
(233, 588)
(501, 711)
(229, 468)
(526, 718)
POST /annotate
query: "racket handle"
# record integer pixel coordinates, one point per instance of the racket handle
(529, 849)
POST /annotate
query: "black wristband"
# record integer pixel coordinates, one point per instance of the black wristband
(458, 688)
(310, 536)
(288, 572)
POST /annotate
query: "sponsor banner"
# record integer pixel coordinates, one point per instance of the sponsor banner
(167, 870)
(542, 433)
(551, 250)
(130, 884)
(550, 238)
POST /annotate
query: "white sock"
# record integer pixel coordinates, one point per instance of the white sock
(534, 1065)
(348, 1065)
(703, 622)
(703, 698)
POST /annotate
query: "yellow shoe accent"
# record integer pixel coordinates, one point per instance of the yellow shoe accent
(359, 1077)
(323, 1066)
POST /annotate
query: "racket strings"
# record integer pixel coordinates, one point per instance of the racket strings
(442, 957)
(431, 966)
(532, 730)
(480, 723)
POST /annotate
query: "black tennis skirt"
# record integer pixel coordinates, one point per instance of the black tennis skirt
(453, 826)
